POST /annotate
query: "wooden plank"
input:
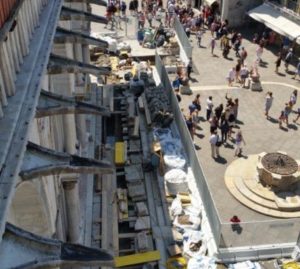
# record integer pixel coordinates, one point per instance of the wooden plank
(120, 236)
(137, 258)
(147, 112)
(136, 128)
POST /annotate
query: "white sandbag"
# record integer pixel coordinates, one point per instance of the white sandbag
(176, 207)
(190, 238)
(174, 161)
(112, 43)
(245, 265)
(123, 46)
(193, 211)
(194, 223)
(176, 181)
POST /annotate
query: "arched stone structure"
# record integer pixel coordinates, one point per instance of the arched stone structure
(28, 210)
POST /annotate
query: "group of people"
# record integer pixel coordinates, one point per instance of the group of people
(219, 118)
(288, 108)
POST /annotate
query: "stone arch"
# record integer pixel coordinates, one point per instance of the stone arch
(28, 210)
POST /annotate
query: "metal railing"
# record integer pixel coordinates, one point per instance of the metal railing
(185, 43)
(189, 147)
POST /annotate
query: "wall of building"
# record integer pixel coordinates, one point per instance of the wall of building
(235, 11)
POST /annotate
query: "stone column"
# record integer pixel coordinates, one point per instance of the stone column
(73, 211)
(224, 10)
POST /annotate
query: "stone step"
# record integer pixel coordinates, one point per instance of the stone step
(248, 203)
(243, 189)
(258, 189)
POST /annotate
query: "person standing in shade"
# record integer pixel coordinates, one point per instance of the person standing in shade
(268, 103)
(209, 107)
(239, 139)
(213, 140)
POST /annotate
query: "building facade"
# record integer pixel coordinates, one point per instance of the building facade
(44, 73)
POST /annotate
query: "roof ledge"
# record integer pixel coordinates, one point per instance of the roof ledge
(94, 2)
(39, 161)
(41, 252)
(63, 36)
(68, 14)
(51, 104)
(59, 65)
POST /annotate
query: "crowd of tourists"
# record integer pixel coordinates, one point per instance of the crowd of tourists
(223, 118)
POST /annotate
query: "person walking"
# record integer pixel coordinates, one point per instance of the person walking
(287, 111)
(243, 55)
(196, 102)
(214, 144)
(278, 62)
(238, 67)
(297, 71)
(244, 75)
(293, 97)
(218, 111)
(231, 76)
(239, 139)
(212, 45)
(268, 103)
(189, 68)
(141, 20)
(281, 118)
(259, 52)
(235, 108)
(189, 124)
(123, 8)
(150, 18)
(288, 59)
(209, 107)
(199, 35)
(298, 115)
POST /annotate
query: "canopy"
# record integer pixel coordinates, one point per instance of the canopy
(276, 20)
(210, 2)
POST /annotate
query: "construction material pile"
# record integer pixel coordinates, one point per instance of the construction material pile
(159, 106)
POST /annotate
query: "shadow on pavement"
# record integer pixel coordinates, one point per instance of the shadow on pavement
(273, 120)
(293, 127)
(221, 160)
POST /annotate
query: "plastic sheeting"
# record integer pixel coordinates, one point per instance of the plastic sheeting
(245, 265)
(202, 262)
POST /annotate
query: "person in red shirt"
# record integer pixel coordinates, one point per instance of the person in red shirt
(235, 219)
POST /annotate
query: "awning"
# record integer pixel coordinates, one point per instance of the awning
(276, 20)
(210, 2)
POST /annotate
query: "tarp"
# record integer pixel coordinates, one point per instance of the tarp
(276, 20)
